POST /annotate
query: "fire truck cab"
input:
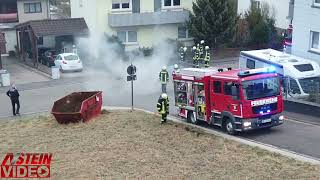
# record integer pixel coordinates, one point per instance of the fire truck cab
(233, 99)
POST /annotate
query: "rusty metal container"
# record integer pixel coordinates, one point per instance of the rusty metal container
(77, 106)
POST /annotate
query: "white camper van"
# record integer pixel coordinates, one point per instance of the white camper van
(301, 73)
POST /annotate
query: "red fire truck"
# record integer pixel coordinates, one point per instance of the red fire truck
(233, 99)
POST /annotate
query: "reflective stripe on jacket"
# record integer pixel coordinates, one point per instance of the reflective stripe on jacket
(163, 106)
(207, 56)
(164, 76)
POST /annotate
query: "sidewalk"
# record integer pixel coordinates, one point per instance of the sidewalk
(20, 74)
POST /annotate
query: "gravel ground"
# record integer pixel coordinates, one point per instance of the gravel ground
(123, 145)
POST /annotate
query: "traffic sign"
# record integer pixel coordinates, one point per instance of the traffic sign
(131, 70)
(132, 78)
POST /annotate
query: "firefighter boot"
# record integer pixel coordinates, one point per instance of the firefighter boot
(163, 118)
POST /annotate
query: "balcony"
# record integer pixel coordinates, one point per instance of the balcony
(9, 18)
(148, 18)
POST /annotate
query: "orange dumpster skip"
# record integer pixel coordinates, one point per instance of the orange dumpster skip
(77, 106)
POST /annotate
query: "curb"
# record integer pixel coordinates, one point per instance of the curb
(34, 70)
(270, 148)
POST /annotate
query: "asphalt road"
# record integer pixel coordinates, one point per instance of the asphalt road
(299, 137)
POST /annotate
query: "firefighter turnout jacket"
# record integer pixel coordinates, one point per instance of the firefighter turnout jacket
(163, 105)
(164, 76)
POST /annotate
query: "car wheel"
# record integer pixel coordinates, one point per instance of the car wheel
(229, 126)
(191, 118)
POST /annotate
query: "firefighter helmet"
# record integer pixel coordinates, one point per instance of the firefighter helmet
(164, 68)
(185, 49)
(194, 48)
(207, 48)
(164, 96)
(175, 66)
(202, 42)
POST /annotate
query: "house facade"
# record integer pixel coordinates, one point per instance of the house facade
(280, 8)
(13, 12)
(306, 29)
(137, 23)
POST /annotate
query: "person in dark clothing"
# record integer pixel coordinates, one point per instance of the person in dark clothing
(14, 97)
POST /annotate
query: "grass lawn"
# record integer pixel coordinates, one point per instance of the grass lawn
(123, 145)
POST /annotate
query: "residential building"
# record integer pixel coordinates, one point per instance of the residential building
(306, 29)
(137, 23)
(280, 8)
(13, 12)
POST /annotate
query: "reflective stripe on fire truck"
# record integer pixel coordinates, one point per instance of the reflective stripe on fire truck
(217, 112)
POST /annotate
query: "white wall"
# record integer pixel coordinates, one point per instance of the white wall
(11, 39)
(305, 19)
(23, 17)
(281, 10)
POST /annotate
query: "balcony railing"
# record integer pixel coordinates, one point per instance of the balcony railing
(148, 18)
(9, 18)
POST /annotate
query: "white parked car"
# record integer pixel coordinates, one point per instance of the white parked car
(68, 62)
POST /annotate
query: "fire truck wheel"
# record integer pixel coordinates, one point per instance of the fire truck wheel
(229, 127)
(191, 118)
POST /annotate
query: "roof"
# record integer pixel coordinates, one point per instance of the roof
(2, 38)
(276, 57)
(225, 74)
(57, 27)
(288, 63)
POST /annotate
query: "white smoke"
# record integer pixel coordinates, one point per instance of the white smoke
(103, 62)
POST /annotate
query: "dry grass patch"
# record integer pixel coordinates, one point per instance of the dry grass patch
(123, 145)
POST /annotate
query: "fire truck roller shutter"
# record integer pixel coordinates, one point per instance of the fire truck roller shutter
(228, 122)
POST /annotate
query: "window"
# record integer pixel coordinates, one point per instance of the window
(228, 90)
(40, 40)
(316, 3)
(183, 32)
(304, 67)
(294, 87)
(132, 36)
(171, 3)
(217, 86)
(32, 7)
(255, 4)
(127, 36)
(80, 3)
(261, 88)
(251, 64)
(314, 45)
(121, 4)
(122, 36)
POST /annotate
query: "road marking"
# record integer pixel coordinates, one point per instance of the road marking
(301, 122)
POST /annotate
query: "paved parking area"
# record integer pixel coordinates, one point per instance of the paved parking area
(20, 74)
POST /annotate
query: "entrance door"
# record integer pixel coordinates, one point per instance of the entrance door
(3, 49)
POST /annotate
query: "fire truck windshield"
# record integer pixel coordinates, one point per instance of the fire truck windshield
(261, 88)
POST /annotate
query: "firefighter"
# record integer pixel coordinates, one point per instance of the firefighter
(201, 50)
(207, 57)
(196, 56)
(163, 107)
(13, 93)
(176, 68)
(164, 78)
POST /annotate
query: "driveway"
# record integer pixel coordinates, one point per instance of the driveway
(21, 74)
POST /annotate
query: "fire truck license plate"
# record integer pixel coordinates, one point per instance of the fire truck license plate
(266, 121)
